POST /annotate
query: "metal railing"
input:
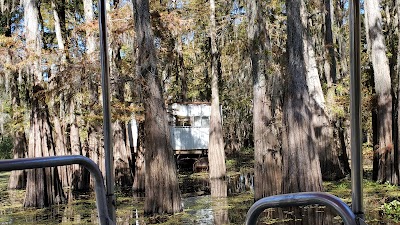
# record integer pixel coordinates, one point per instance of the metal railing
(52, 161)
(302, 199)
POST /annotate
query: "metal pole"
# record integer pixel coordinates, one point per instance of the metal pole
(52, 161)
(355, 110)
(105, 81)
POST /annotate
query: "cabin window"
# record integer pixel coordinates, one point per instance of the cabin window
(205, 121)
(194, 121)
(182, 121)
(197, 121)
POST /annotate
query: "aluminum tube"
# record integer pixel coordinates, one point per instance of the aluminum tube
(107, 131)
(52, 161)
(355, 110)
(301, 199)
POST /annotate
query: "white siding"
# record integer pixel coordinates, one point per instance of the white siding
(188, 138)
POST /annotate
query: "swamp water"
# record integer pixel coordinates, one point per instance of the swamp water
(199, 207)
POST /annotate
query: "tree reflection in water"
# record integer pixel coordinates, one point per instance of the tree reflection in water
(220, 205)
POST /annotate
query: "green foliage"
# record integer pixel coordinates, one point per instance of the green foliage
(240, 161)
(391, 187)
(6, 146)
(392, 210)
(230, 164)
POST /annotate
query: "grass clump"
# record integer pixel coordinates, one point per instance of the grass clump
(392, 210)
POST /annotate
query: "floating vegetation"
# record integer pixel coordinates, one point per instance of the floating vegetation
(382, 205)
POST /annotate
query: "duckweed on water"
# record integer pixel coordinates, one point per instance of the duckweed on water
(381, 204)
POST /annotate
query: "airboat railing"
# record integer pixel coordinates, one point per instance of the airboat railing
(107, 129)
(303, 199)
(357, 204)
(52, 161)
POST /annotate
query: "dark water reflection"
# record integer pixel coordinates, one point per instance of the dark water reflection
(197, 186)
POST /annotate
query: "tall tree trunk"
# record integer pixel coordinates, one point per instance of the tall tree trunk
(331, 168)
(342, 126)
(43, 185)
(122, 154)
(181, 68)
(59, 123)
(329, 53)
(90, 37)
(338, 150)
(301, 167)
(342, 52)
(216, 152)
(59, 23)
(267, 152)
(162, 189)
(139, 182)
(94, 147)
(17, 177)
(398, 87)
(60, 26)
(140, 168)
(78, 179)
(60, 145)
(387, 169)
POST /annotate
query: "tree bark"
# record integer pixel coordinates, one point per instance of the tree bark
(162, 189)
(43, 185)
(338, 149)
(398, 89)
(384, 153)
(60, 145)
(301, 167)
(90, 38)
(17, 177)
(139, 182)
(216, 152)
(331, 168)
(95, 148)
(267, 151)
(79, 179)
(122, 154)
(140, 168)
(340, 41)
(329, 53)
(58, 119)
(59, 23)
(181, 68)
